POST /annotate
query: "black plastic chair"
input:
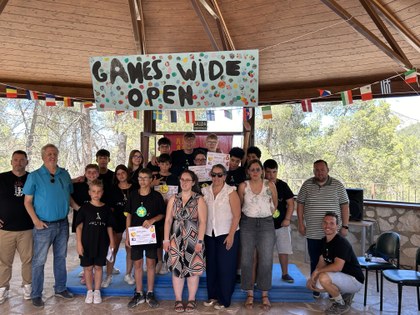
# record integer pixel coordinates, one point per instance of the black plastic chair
(388, 248)
(405, 278)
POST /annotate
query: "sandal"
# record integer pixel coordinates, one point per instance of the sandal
(191, 306)
(179, 307)
(249, 303)
(266, 303)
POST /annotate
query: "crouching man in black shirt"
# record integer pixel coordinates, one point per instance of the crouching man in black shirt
(338, 272)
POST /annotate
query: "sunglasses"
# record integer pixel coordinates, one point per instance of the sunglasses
(220, 175)
(52, 179)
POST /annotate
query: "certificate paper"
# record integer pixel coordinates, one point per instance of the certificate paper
(202, 172)
(214, 158)
(142, 236)
(167, 191)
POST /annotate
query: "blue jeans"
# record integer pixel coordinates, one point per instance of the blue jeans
(57, 235)
(257, 234)
(314, 251)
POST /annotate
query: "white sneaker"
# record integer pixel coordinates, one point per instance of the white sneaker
(219, 306)
(164, 270)
(106, 282)
(115, 271)
(129, 279)
(158, 267)
(27, 289)
(89, 297)
(97, 297)
(4, 294)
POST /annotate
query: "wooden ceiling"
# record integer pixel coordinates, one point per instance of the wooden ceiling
(305, 45)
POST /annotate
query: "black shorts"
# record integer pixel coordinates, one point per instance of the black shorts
(137, 252)
(92, 261)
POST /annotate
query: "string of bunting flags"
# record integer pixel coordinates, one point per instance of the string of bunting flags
(410, 77)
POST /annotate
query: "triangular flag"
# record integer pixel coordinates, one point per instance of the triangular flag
(157, 114)
(247, 113)
(411, 76)
(324, 93)
(366, 93)
(266, 112)
(136, 114)
(68, 102)
(49, 100)
(386, 86)
(228, 113)
(210, 115)
(347, 97)
(31, 95)
(306, 105)
(190, 117)
(174, 117)
(11, 92)
(87, 104)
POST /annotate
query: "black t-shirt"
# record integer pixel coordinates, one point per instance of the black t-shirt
(133, 178)
(170, 180)
(12, 209)
(235, 177)
(118, 202)
(81, 196)
(181, 161)
(283, 194)
(153, 168)
(95, 221)
(107, 180)
(143, 208)
(341, 248)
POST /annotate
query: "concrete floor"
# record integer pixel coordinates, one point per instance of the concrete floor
(118, 305)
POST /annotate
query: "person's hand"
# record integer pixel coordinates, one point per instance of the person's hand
(1, 223)
(302, 229)
(127, 243)
(198, 247)
(39, 225)
(285, 223)
(147, 224)
(79, 179)
(165, 246)
(80, 249)
(311, 285)
(344, 231)
(228, 241)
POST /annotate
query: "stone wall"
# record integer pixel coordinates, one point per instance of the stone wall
(404, 221)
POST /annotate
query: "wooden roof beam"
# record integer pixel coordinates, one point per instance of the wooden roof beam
(228, 38)
(3, 4)
(137, 18)
(204, 22)
(359, 27)
(382, 28)
(398, 26)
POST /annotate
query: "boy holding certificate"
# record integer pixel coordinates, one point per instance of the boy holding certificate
(146, 209)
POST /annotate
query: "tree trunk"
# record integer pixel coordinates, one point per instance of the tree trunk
(31, 131)
(86, 136)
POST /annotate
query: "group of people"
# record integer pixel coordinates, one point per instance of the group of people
(226, 227)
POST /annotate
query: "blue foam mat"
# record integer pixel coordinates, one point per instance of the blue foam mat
(281, 291)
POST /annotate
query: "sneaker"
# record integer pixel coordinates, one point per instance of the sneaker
(337, 309)
(210, 302)
(151, 300)
(106, 282)
(89, 297)
(38, 302)
(164, 270)
(64, 294)
(83, 279)
(348, 298)
(158, 267)
(81, 273)
(97, 299)
(287, 278)
(27, 289)
(4, 294)
(129, 279)
(137, 299)
(316, 294)
(115, 271)
(218, 306)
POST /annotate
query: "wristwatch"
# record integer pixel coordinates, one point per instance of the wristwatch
(200, 242)
(345, 227)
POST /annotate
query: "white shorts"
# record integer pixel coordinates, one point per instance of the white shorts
(284, 240)
(344, 282)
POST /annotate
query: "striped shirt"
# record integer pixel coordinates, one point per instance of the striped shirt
(318, 200)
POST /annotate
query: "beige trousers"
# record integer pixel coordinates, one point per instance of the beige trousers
(10, 242)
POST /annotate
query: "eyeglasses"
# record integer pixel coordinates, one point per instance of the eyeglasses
(255, 170)
(144, 178)
(137, 156)
(220, 175)
(52, 179)
(185, 180)
(200, 160)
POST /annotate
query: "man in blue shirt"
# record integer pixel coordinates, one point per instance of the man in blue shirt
(47, 199)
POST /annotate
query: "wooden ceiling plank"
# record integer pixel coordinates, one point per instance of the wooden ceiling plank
(136, 21)
(3, 4)
(229, 39)
(398, 26)
(382, 28)
(204, 23)
(359, 27)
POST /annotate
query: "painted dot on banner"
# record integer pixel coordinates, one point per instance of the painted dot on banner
(222, 57)
(153, 57)
(243, 72)
(118, 87)
(122, 92)
(156, 84)
(168, 76)
(170, 57)
(102, 105)
(106, 59)
(248, 64)
(223, 104)
(206, 91)
(174, 74)
(149, 83)
(206, 103)
(202, 97)
(194, 97)
(103, 95)
(212, 87)
(160, 106)
(222, 96)
(120, 102)
(147, 102)
(141, 86)
(159, 99)
(178, 81)
(198, 103)
(107, 100)
(251, 73)
(102, 88)
(185, 60)
(238, 97)
(126, 60)
(221, 84)
(254, 66)
(205, 84)
(232, 56)
(178, 58)
(245, 79)
(201, 54)
(130, 86)
(197, 83)
(167, 64)
(230, 80)
(192, 56)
